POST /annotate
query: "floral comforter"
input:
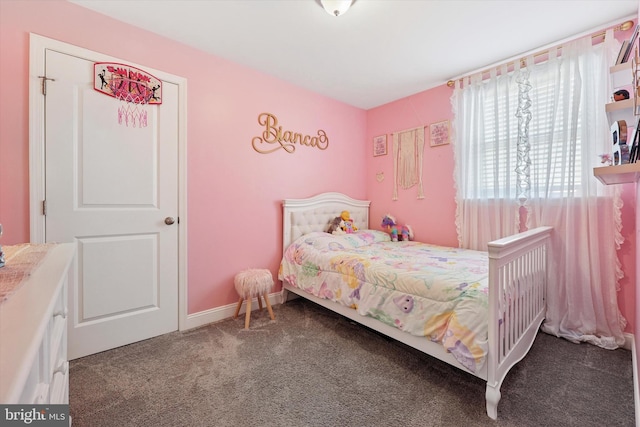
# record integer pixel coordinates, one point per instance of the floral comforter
(426, 290)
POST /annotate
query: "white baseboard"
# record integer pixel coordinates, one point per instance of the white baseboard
(629, 341)
(636, 388)
(217, 314)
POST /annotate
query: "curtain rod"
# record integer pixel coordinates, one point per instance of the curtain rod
(622, 27)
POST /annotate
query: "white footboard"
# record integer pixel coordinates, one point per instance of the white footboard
(518, 275)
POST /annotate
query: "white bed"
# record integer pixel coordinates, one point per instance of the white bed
(517, 280)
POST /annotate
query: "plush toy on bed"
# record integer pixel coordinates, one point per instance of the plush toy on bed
(335, 226)
(397, 231)
(348, 227)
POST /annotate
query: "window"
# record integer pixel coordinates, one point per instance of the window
(545, 158)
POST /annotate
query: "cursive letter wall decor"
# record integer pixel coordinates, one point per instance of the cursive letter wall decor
(285, 139)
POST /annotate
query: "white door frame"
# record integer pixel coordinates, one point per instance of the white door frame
(37, 46)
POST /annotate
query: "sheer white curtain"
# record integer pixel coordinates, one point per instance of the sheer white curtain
(484, 144)
(568, 131)
(528, 139)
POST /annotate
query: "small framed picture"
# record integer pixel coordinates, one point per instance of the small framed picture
(380, 145)
(439, 133)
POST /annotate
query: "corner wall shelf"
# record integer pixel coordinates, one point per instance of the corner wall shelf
(619, 174)
(619, 105)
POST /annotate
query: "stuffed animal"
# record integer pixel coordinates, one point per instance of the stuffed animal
(349, 227)
(335, 226)
(397, 231)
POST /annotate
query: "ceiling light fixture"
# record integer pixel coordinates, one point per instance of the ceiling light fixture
(336, 7)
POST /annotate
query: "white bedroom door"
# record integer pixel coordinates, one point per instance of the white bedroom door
(113, 189)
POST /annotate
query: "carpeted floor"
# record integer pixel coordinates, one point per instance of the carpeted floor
(311, 367)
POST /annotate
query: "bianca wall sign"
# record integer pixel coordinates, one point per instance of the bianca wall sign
(274, 137)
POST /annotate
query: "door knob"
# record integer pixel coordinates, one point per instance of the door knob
(169, 220)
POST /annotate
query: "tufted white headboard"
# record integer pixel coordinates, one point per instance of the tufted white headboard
(302, 216)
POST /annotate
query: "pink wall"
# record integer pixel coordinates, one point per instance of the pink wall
(228, 182)
(227, 179)
(636, 236)
(433, 218)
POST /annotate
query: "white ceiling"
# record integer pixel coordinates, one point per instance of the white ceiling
(377, 52)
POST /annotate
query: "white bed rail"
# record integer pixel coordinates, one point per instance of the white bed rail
(518, 272)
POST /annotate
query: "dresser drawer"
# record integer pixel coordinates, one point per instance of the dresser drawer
(35, 389)
(34, 367)
(59, 389)
(57, 341)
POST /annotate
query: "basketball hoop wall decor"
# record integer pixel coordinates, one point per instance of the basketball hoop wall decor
(134, 87)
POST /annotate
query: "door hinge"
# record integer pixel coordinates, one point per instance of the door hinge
(44, 207)
(44, 83)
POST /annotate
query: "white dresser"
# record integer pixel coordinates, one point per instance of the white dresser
(33, 333)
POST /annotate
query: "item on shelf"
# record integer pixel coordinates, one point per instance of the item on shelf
(620, 95)
(632, 42)
(606, 159)
(633, 153)
(623, 50)
(624, 154)
(620, 150)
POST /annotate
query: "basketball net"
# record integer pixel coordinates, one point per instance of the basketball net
(131, 112)
(133, 96)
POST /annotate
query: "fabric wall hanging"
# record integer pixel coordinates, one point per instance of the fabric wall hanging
(408, 147)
